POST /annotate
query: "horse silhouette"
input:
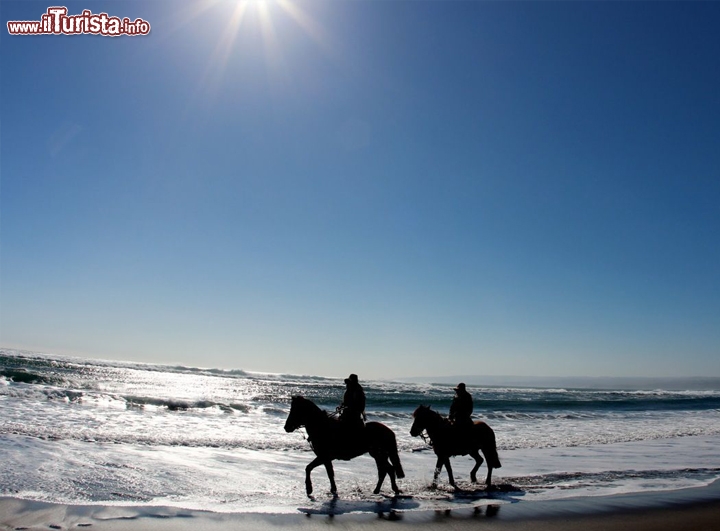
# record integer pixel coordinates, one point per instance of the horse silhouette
(450, 440)
(333, 439)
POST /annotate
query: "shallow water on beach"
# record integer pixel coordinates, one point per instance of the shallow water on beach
(87, 431)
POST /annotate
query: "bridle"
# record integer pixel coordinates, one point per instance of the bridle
(424, 435)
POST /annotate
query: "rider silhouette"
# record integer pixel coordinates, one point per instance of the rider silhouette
(462, 407)
(352, 409)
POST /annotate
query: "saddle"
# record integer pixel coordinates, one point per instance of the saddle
(349, 437)
(461, 433)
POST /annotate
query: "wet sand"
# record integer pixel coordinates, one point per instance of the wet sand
(681, 510)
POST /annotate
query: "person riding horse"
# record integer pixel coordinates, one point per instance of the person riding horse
(461, 408)
(352, 409)
(329, 441)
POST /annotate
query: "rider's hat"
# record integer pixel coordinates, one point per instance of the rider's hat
(460, 387)
(352, 378)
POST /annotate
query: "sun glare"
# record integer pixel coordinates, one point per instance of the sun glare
(245, 13)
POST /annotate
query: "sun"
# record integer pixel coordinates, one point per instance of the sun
(248, 12)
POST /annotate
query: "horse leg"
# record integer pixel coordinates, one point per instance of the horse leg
(491, 459)
(331, 476)
(451, 479)
(308, 484)
(391, 472)
(393, 483)
(438, 469)
(478, 461)
(381, 463)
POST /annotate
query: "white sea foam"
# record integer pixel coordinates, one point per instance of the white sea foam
(221, 479)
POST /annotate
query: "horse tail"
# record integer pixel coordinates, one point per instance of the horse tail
(493, 457)
(392, 452)
(488, 446)
(383, 442)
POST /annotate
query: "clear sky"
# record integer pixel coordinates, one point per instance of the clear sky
(392, 188)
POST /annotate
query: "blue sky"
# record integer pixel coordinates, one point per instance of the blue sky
(392, 188)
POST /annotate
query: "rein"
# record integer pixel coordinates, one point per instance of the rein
(303, 433)
(432, 417)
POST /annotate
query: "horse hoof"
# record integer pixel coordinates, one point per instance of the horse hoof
(376, 491)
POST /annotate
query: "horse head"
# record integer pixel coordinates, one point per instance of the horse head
(295, 418)
(420, 423)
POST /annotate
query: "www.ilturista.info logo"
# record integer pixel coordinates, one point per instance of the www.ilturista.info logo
(57, 22)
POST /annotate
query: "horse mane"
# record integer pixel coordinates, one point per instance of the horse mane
(312, 407)
(430, 410)
(421, 408)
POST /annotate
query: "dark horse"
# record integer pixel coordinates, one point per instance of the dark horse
(332, 439)
(449, 440)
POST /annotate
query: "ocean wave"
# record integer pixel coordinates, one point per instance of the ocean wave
(576, 480)
(43, 393)
(172, 404)
(199, 370)
(73, 364)
(283, 442)
(68, 363)
(53, 393)
(22, 376)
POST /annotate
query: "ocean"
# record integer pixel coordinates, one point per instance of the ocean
(81, 431)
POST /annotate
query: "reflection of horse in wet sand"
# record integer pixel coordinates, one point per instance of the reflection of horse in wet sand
(449, 440)
(332, 439)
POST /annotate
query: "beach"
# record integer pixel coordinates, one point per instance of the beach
(695, 509)
(124, 445)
